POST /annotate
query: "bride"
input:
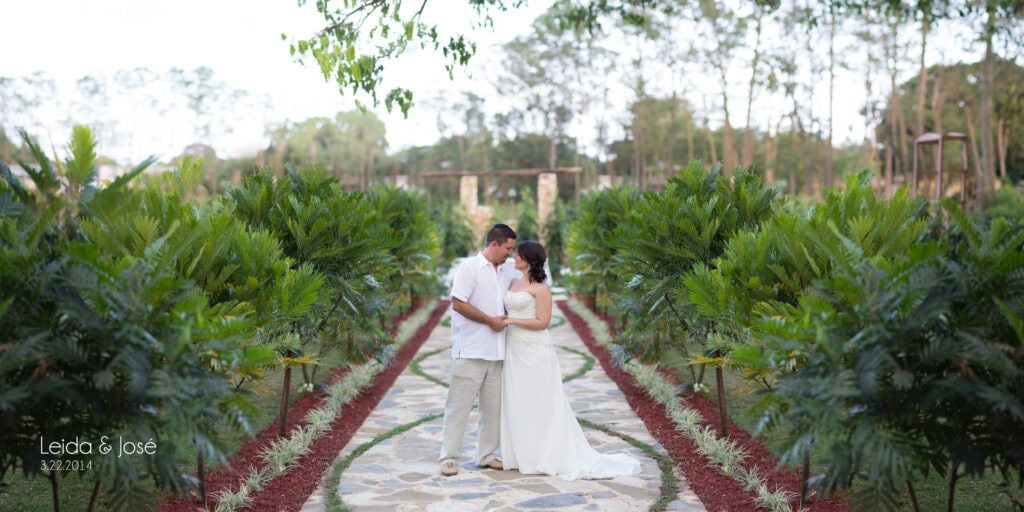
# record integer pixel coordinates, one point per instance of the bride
(539, 432)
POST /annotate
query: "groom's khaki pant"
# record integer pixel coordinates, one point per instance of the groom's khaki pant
(469, 378)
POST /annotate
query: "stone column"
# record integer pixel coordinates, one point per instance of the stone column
(467, 193)
(547, 192)
(479, 216)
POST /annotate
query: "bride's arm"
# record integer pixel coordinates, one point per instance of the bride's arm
(543, 319)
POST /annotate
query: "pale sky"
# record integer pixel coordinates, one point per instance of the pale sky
(241, 41)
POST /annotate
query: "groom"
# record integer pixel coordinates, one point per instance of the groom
(478, 349)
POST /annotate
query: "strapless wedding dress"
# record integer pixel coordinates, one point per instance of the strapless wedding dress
(539, 431)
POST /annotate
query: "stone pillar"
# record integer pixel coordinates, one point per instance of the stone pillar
(547, 192)
(479, 216)
(467, 192)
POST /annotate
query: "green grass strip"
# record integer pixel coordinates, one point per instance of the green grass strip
(669, 481)
(333, 501)
(415, 367)
(721, 454)
(588, 364)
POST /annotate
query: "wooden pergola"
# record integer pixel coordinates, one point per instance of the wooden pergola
(933, 183)
(575, 171)
(547, 189)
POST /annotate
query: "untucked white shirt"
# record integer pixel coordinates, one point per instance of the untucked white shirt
(477, 282)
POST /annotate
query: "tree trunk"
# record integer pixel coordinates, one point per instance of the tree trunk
(913, 496)
(986, 186)
(829, 151)
(938, 101)
(722, 412)
(729, 157)
(953, 476)
(93, 495)
(795, 129)
(672, 135)
(870, 120)
(689, 133)
(748, 134)
(891, 167)
(1002, 133)
(201, 476)
(371, 166)
(54, 490)
(283, 415)
(711, 141)
(461, 141)
(901, 118)
(972, 134)
(805, 475)
(922, 83)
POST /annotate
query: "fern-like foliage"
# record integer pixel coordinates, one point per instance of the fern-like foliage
(589, 246)
(455, 236)
(902, 361)
(103, 334)
(416, 248)
(341, 236)
(671, 233)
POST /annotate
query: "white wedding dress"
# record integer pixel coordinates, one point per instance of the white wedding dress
(539, 431)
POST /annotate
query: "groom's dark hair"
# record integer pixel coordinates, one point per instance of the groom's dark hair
(499, 233)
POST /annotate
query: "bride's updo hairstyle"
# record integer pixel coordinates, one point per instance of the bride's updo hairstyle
(535, 256)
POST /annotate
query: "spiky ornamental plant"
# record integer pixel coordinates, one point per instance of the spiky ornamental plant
(908, 363)
(589, 248)
(239, 272)
(765, 272)
(456, 237)
(415, 253)
(527, 226)
(555, 237)
(335, 232)
(97, 343)
(668, 233)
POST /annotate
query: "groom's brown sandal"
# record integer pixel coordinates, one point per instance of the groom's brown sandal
(495, 464)
(449, 469)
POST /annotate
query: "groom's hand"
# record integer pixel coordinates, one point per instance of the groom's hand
(497, 323)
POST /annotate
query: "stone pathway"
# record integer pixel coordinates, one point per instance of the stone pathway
(392, 459)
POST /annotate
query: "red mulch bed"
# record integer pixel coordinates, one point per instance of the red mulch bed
(718, 492)
(289, 491)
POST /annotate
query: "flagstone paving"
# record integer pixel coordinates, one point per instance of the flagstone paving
(400, 472)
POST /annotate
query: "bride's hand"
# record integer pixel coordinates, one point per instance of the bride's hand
(508, 322)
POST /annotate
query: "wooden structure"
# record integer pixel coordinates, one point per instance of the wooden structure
(575, 171)
(547, 190)
(933, 183)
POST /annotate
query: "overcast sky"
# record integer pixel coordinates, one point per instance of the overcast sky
(241, 41)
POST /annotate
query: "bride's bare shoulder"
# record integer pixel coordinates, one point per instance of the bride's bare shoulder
(539, 290)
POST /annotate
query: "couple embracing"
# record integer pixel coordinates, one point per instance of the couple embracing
(502, 352)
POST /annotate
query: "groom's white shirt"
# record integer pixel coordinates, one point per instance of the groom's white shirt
(477, 283)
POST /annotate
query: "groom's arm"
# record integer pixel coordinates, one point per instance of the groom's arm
(496, 323)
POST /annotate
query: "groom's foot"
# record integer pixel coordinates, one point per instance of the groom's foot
(495, 464)
(449, 469)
